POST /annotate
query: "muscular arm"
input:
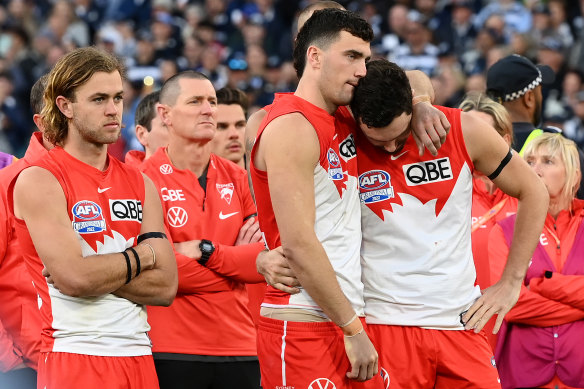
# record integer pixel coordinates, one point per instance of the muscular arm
(158, 285)
(487, 149)
(58, 246)
(251, 130)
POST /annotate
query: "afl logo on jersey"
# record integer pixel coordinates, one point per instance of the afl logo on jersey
(374, 186)
(335, 170)
(87, 217)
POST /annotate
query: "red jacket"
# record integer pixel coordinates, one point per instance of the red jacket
(534, 350)
(20, 324)
(209, 315)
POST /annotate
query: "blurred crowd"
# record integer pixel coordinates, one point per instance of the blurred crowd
(248, 44)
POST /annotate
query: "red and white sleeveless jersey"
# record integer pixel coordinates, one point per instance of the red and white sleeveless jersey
(337, 221)
(105, 208)
(416, 254)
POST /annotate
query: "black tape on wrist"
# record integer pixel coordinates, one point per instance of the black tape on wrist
(128, 267)
(151, 235)
(501, 166)
(138, 265)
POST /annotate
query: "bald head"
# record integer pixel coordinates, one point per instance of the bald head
(309, 10)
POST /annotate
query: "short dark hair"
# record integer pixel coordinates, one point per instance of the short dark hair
(171, 88)
(323, 28)
(146, 110)
(229, 96)
(36, 94)
(382, 95)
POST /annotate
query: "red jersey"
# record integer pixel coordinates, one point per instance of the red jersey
(487, 210)
(105, 209)
(337, 222)
(416, 254)
(20, 324)
(209, 315)
(134, 158)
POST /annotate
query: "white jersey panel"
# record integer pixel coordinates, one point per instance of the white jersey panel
(338, 228)
(106, 325)
(417, 266)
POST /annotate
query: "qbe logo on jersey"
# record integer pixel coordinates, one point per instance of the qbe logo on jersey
(335, 170)
(428, 172)
(374, 186)
(347, 148)
(126, 210)
(87, 217)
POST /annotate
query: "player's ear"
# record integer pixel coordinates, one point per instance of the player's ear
(313, 57)
(65, 106)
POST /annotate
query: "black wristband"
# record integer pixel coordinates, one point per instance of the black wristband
(128, 267)
(503, 163)
(138, 266)
(150, 235)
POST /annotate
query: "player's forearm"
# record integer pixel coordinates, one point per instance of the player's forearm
(153, 287)
(420, 83)
(100, 274)
(156, 286)
(531, 213)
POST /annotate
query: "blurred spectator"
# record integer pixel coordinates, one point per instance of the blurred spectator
(212, 67)
(165, 38)
(64, 27)
(458, 36)
(574, 128)
(517, 18)
(397, 21)
(475, 61)
(417, 53)
(15, 123)
(191, 54)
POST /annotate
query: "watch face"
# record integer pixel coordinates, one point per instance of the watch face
(206, 246)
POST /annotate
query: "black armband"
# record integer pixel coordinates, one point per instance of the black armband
(128, 267)
(138, 265)
(151, 235)
(502, 165)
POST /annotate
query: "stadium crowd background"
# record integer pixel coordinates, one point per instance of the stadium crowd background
(248, 45)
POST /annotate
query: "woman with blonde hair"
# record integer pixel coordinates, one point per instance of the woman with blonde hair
(540, 343)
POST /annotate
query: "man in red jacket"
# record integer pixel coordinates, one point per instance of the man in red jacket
(19, 342)
(207, 335)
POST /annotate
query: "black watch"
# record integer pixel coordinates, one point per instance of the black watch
(207, 248)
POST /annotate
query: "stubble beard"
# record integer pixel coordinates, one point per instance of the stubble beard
(95, 136)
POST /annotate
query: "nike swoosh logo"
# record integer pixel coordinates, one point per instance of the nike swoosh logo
(99, 190)
(222, 216)
(394, 157)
